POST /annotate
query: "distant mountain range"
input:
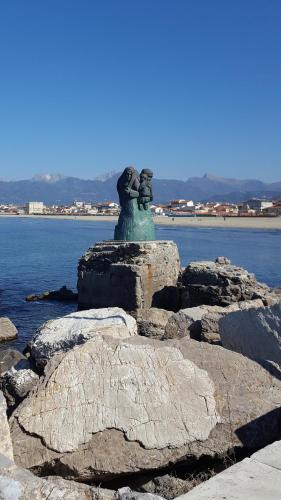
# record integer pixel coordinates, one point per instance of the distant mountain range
(56, 189)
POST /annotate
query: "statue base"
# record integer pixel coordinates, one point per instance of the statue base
(133, 275)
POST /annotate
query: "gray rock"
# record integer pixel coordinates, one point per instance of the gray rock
(166, 486)
(254, 333)
(185, 323)
(8, 330)
(210, 331)
(255, 478)
(6, 447)
(131, 275)
(127, 494)
(111, 408)
(151, 322)
(62, 334)
(202, 322)
(9, 358)
(219, 284)
(18, 382)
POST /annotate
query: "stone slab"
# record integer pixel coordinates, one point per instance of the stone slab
(255, 478)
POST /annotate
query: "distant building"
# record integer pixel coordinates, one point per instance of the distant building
(79, 204)
(34, 207)
(259, 205)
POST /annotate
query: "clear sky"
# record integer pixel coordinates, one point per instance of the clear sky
(181, 86)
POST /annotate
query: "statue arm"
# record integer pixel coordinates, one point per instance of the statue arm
(132, 193)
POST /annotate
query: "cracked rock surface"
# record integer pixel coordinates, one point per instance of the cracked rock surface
(112, 407)
(62, 334)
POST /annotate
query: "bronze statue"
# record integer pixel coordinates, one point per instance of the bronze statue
(135, 193)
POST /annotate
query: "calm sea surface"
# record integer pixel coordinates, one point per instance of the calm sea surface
(42, 254)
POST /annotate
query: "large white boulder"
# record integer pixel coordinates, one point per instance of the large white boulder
(113, 407)
(255, 333)
(62, 334)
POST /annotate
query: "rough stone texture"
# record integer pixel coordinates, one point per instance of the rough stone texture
(6, 447)
(9, 358)
(131, 275)
(210, 331)
(20, 484)
(115, 407)
(127, 494)
(141, 384)
(166, 486)
(152, 322)
(8, 330)
(254, 333)
(18, 382)
(202, 322)
(255, 478)
(186, 323)
(219, 284)
(64, 333)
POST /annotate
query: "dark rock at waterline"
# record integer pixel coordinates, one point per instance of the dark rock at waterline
(61, 295)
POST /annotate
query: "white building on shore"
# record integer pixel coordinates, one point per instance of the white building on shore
(35, 207)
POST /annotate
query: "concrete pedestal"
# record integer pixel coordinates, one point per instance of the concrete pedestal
(131, 275)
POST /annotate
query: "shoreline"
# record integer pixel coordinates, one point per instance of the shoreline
(267, 223)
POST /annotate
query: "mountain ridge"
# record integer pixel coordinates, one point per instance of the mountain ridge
(58, 189)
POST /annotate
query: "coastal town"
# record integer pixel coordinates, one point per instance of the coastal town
(175, 208)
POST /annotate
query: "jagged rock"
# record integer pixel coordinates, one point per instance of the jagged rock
(131, 275)
(254, 333)
(202, 322)
(64, 333)
(127, 494)
(9, 358)
(219, 284)
(8, 330)
(61, 295)
(114, 407)
(151, 322)
(18, 382)
(6, 447)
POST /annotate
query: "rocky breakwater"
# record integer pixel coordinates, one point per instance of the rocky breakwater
(131, 275)
(111, 408)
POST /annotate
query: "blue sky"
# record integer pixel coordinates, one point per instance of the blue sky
(181, 86)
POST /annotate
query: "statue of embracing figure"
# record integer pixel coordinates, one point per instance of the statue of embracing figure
(135, 221)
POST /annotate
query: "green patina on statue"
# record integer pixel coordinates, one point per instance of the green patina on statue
(135, 221)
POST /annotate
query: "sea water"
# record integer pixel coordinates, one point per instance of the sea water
(42, 254)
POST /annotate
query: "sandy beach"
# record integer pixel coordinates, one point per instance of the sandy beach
(228, 222)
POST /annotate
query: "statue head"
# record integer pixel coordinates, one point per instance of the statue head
(147, 172)
(143, 177)
(128, 173)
